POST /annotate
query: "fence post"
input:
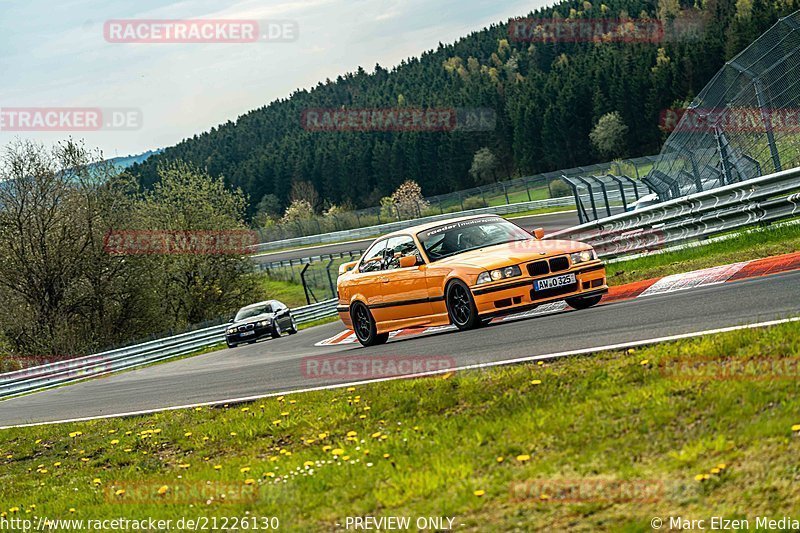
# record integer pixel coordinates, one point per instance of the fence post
(306, 289)
(330, 278)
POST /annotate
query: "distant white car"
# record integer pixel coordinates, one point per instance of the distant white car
(645, 201)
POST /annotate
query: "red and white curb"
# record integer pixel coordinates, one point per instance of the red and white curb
(639, 289)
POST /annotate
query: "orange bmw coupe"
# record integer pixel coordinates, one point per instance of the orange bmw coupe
(464, 272)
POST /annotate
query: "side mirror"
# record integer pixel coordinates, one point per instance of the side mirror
(538, 233)
(230, 321)
(408, 261)
(344, 267)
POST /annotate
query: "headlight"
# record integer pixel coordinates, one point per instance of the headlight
(500, 273)
(262, 323)
(582, 257)
(231, 330)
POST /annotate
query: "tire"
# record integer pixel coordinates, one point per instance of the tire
(230, 344)
(583, 302)
(364, 326)
(276, 330)
(292, 330)
(461, 306)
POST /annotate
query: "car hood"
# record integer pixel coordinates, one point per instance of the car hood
(512, 253)
(253, 319)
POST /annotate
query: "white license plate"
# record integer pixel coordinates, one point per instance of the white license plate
(554, 282)
(246, 333)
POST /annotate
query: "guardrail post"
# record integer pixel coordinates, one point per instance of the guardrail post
(591, 196)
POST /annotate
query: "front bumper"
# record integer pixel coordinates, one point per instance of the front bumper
(493, 299)
(244, 336)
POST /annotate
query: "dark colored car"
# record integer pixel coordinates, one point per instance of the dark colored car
(259, 320)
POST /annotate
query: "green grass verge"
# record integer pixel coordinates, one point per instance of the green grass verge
(753, 244)
(611, 425)
(290, 293)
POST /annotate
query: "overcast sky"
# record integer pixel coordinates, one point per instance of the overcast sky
(54, 54)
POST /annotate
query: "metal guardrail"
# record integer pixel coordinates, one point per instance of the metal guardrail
(374, 231)
(54, 374)
(757, 201)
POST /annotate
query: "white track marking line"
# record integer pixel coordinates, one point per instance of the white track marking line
(584, 351)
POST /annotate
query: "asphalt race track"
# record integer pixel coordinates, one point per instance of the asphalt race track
(550, 222)
(275, 365)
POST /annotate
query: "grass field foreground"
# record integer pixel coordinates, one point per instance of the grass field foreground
(607, 441)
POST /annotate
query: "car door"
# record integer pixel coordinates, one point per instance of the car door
(366, 280)
(405, 291)
(282, 314)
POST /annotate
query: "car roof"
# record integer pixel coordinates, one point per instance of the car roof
(257, 304)
(413, 230)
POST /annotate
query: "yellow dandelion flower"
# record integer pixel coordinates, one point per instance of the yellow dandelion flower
(367, 408)
(129, 432)
(384, 437)
(500, 459)
(119, 492)
(205, 438)
(57, 463)
(540, 363)
(366, 452)
(715, 470)
(112, 431)
(233, 433)
(345, 458)
(322, 435)
(162, 490)
(37, 441)
(631, 350)
(524, 457)
(386, 456)
(273, 458)
(326, 448)
(276, 422)
(217, 467)
(644, 362)
(244, 469)
(351, 389)
(722, 466)
(479, 493)
(245, 409)
(308, 463)
(337, 451)
(536, 382)
(96, 481)
(292, 401)
(14, 510)
(184, 465)
(351, 433)
(699, 477)
(448, 375)
(796, 427)
(198, 408)
(362, 417)
(280, 398)
(85, 459)
(269, 474)
(285, 413)
(249, 481)
(128, 450)
(187, 434)
(544, 497)
(71, 509)
(157, 430)
(376, 434)
(114, 442)
(9, 456)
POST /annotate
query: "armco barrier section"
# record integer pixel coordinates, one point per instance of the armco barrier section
(373, 231)
(54, 374)
(757, 201)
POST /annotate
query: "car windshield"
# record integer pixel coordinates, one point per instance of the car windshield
(457, 237)
(248, 312)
